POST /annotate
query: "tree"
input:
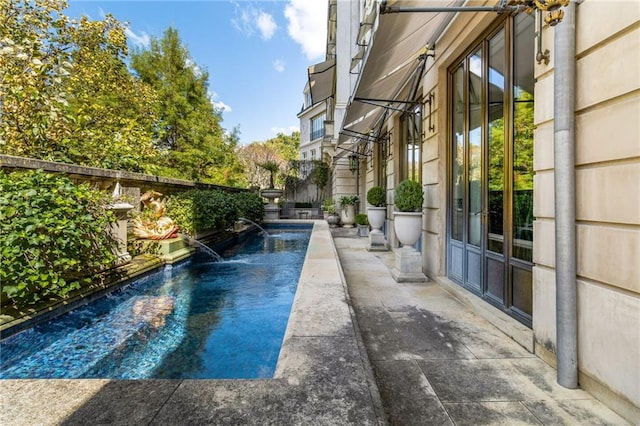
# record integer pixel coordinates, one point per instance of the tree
(34, 62)
(252, 156)
(189, 137)
(114, 112)
(65, 91)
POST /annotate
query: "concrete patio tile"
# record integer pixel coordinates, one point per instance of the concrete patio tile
(534, 373)
(124, 402)
(481, 338)
(44, 402)
(475, 380)
(401, 384)
(491, 413)
(382, 340)
(427, 336)
(574, 412)
(232, 402)
(320, 270)
(80, 402)
(320, 310)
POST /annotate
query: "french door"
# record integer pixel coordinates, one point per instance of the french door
(490, 224)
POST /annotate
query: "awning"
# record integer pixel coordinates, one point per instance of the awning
(322, 80)
(391, 61)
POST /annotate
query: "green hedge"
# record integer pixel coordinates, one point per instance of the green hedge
(200, 210)
(52, 235)
(250, 206)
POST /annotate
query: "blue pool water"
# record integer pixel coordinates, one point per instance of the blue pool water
(200, 319)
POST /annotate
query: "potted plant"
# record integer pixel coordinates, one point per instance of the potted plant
(332, 215)
(363, 225)
(377, 211)
(407, 223)
(348, 205)
(326, 204)
(408, 219)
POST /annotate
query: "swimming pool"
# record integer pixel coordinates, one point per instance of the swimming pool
(198, 320)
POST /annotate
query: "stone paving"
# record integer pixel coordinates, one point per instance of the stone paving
(438, 363)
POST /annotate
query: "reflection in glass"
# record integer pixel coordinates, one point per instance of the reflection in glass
(496, 143)
(458, 155)
(475, 152)
(412, 132)
(523, 137)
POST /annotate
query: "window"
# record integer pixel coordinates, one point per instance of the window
(307, 99)
(313, 154)
(317, 126)
(491, 90)
(411, 130)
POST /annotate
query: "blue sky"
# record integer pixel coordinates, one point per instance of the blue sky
(256, 52)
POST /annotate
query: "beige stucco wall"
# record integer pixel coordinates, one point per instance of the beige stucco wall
(607, 197)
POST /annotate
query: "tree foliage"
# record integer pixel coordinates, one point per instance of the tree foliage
(65, 90)
(67, 94)
(280, 150)
(189, 137)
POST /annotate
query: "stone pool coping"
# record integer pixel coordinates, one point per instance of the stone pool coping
(323, 375)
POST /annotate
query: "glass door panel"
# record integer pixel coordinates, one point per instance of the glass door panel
(496, 134)
(523, 138)
(474, 171)
(458, 155)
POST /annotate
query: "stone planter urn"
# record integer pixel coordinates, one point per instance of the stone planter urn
(348, 216)
(408, 227)
(271, 210)
(376, 216)
(333, 220)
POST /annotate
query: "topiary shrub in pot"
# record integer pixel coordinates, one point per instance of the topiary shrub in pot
(377, 211)
(409, 196)
(407, 223)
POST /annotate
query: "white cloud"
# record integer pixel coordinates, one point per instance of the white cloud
(196, 69)
(267, 25)
(308, 25)
(278, 65)
(248, 18)
(140, 40)
(218, 105)
(222, 107)
(285, 130)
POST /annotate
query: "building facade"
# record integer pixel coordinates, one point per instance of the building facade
(525, 135)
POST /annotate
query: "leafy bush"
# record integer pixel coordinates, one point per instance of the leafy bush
(52, 235)
(347, 200)
(361, 219)
(409, 196)
(377, 196)
(199, 209)
(250, 206)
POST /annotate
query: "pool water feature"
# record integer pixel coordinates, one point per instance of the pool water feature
(197, 320)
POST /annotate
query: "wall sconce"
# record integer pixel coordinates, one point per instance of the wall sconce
(353, 163)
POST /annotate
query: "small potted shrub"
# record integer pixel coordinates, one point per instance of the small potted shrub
(408, 219)
(362, 222)
(332, 215)
(377, 211)
(348, 205)
(407, 224)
